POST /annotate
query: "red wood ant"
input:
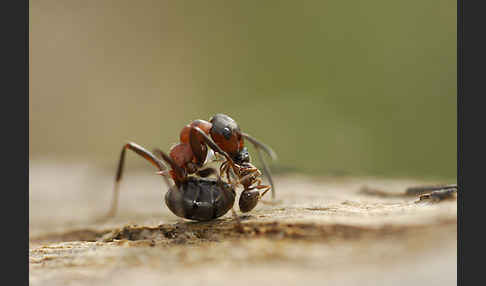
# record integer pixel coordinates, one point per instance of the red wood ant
(189, 156)
(192, 151)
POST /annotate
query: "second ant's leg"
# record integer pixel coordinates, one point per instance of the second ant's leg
(266, 189)
(225, 169)
(119, 173)
(263, 187)
(239, 226)
(250, 173)
(222, 168)
(228, 175)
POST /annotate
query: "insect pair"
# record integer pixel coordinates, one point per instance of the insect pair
(198, 197)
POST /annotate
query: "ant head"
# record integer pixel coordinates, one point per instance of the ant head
(226, 133)
(248, 200)
(242, 157)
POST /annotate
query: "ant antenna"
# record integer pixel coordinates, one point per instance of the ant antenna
(258, 145)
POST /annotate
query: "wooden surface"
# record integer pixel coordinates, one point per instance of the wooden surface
(330, 231)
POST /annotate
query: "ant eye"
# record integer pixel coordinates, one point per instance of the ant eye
(227, 133)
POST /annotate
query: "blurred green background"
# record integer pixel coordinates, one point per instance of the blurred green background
(335, 87)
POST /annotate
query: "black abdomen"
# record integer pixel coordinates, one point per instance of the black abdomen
(200, 199)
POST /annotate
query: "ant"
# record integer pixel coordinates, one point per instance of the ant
(188, 157)
(191, 154)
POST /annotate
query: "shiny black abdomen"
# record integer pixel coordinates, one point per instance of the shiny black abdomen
(200, 199)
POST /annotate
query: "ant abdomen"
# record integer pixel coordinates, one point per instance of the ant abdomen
(200, 199)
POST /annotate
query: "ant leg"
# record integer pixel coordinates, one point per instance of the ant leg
(216, 148)
(252, 172)
(222, 167)
(260, 186)
(267, 188)
(225, 169)
(228, 175)
(235, 216)
(119, 173)
(270, 152)
(198, 147)
(239, 226)
(180, 173)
